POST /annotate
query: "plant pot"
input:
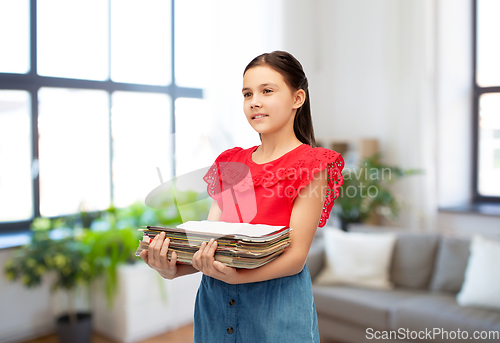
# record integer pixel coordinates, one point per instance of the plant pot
(171, 299)
(79, 332)
(344, 224)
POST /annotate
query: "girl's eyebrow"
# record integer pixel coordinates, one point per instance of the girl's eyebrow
(261, 86)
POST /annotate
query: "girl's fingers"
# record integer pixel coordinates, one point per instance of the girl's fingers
(211, 253)
(219, 266)
(202, 247)
(144, 256)
(197, 257)
(224, 269)
(213, 248)
(173, 259)
(163, 252)
(196, 261)
(151, 250)
(156, 249)
(194, 264)
(208, 254)
(203, 257)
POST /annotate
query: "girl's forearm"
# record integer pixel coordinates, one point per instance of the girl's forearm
(182, 269)
(286, 264)
(185, 269)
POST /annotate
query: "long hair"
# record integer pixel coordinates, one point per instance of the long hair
(293, 74)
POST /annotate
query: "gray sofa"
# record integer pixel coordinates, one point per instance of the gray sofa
(427, 271)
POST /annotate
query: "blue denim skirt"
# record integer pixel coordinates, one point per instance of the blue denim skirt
(277, 310)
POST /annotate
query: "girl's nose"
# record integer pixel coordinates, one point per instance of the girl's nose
(255, 104)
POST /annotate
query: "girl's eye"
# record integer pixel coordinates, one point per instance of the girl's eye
(246, 95)
(267, 90)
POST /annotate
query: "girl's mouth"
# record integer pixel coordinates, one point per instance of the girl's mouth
(259, 116)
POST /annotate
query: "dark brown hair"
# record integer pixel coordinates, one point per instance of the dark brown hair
(293, 74)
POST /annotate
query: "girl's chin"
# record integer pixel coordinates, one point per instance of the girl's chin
(263, 131)
(258, 127)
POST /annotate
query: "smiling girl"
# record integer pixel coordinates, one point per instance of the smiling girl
(292, 183)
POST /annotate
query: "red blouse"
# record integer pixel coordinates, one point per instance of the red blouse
(264, 193)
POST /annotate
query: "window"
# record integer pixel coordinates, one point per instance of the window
(87, 101)
(486, 101)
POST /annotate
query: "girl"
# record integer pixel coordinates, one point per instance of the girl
(289, 182)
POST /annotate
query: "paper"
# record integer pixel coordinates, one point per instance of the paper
(224, 228)
(239, 245)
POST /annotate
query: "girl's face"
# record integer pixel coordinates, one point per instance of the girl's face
(269, 104)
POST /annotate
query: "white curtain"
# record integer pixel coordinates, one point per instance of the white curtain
(411, 136)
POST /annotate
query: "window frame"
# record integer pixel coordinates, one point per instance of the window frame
(478, 91)
(31, 82)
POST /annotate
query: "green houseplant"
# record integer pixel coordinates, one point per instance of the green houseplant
(72, 252)
(366, 190)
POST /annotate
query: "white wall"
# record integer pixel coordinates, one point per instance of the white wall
(455, 102)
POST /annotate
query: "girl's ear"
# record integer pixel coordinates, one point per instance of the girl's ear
(299, 98)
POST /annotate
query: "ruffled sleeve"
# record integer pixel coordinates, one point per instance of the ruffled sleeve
(213, 176)
(317, 160)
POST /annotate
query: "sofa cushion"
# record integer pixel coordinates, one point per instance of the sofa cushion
(482, 276)
(357, 259)
(361, 306)
(453, 254)
(441, 311)
(413, 259)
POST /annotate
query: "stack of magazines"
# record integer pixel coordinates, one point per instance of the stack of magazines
(239, 245)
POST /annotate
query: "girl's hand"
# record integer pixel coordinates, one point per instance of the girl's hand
(204, 261)
(156, 257)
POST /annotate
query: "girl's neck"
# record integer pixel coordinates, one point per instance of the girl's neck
(272, 147)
